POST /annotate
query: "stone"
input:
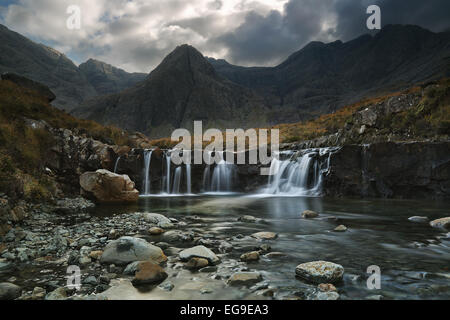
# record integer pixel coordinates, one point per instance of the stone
(265, 235)
(57, 294)
(244, 278)
(129, 249)
(250, 256)
(309, 214)
(329, 295)
(272, 255)
(38, 293)
(247, 218)
(155, 231)
(418, 219)
(148, 273)
(326, 287)
(9, 291)
(320, 272)
(158, 219)
(91, 280)
(340, 228)
(167, 286)
(196, 263)
(443, 223)
(106, 187)
(113, 234)
(199, 252)
(131, 268)
(95, 254)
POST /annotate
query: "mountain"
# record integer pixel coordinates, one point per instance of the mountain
(323, 77)
(107, 79)
(71, 84)
(183, 88)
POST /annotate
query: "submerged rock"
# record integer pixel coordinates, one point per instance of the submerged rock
(199, 252)
(148, 273)
(340, 228)
(129, 249)
(244, 278)
(443, 223)
(320, 272)
(250, 256)
(104, 186)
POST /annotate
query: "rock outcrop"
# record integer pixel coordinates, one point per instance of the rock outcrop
(106, 187)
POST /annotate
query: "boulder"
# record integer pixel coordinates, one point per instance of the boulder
(158, 219)
(309, 214)
(9, 291)
(199, 252)
(148, 273)
(265, 235)
(129, 249)
(320, 272)
(443, 223)
(244, 278)
(106, 187)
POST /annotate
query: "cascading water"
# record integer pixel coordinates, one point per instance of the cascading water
(116, 164)
(223, 176)
(166, 179)
(298, 176)
(188, 179)
(147, 178)
(177, 181)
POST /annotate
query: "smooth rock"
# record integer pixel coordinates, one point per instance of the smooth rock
(95, 254)
(57, 294)
(38, 293)
(148, 273)
(129, 249)
(340, 228)
(155, 231)
(199, 252)
(320, 272)
(196, 263)
(9, 291)
(309, 214)
(443, 223)
(265, 235)
(329, 295)
(250, 256)
(158, 219)
(244, 278)
(326, 287)
(247, 218)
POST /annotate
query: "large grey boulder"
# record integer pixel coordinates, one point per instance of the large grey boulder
(128, 249)
(9, 291)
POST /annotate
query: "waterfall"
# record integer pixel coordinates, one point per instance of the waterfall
(223, 176)
(147, 177)
(188, 179)
(298, 176)
(177, 180)
(116, 164)
(166, 185)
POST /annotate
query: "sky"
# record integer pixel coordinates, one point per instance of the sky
(136, 35)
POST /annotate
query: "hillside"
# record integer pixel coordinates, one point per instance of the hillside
(183, 88)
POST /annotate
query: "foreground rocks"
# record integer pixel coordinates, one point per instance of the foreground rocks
(128, 249)
(9, 291)
(320, 272)
(244, 278)
(104, 186)
(199, 252)
(443, 223)
(148, 273)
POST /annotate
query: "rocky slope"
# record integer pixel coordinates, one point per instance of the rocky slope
(323, 77)
(183, 88)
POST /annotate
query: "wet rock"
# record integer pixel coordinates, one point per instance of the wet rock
(443, 223)
(309, 214)
(225, 247)
(57, 294)
(158, 219)
(148, 273)
(250, 256)
(177, 236)
(326, 287)
(244, 278)
(199, 252)
(131, 268)
(265, 235)
(91, 280)
(106, 187)
(38, 293)
(272, 255)
(129, 249)
(248, 219)
(113, 234)
(155, 231)
(329, 295)
(196, 263)
(95, 254)
(208, 269)
(320, 272)
(418, 219)
(167, 286)
(340, 228)
(9, 291)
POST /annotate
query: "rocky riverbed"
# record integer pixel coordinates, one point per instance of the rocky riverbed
(228, 248)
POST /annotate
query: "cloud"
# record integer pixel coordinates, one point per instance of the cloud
(137, 34)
